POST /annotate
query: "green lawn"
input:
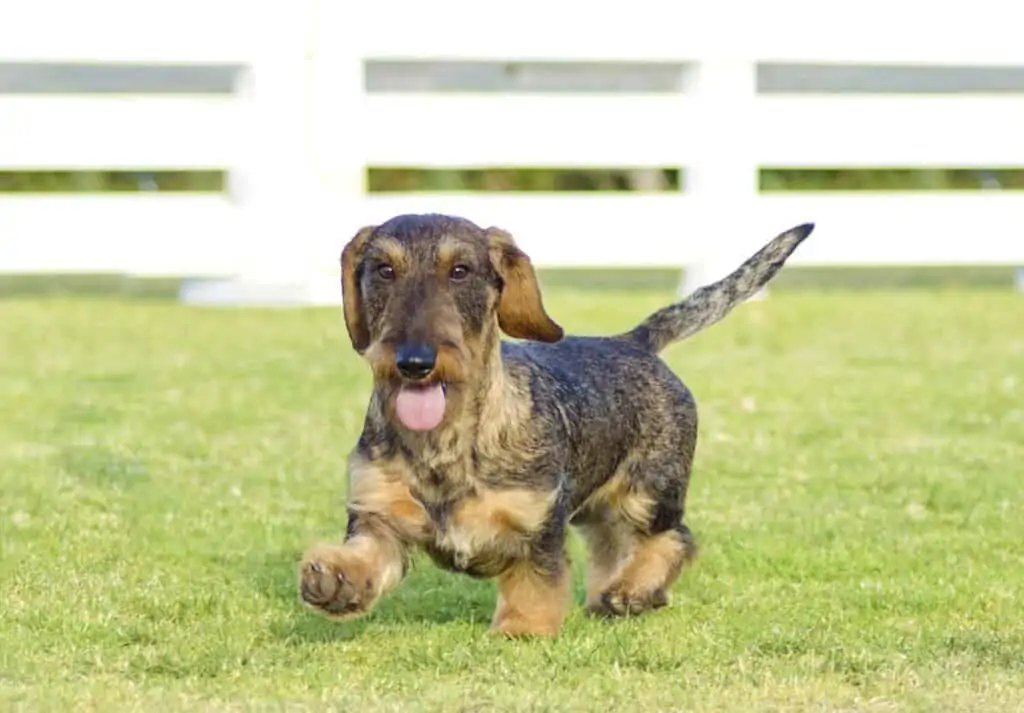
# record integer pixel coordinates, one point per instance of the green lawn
(857, 495)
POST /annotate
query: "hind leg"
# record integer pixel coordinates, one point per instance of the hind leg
(644, 579)
(636, 540)
(608, 543)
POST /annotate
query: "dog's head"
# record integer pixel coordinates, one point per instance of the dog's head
(425, 297)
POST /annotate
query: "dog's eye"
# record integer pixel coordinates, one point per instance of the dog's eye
(459, 272)
(386, 272)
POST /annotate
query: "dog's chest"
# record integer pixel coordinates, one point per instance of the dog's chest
(480, 530)
(477, 525)
(474, 533)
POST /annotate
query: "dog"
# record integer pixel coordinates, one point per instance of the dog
(482, 451)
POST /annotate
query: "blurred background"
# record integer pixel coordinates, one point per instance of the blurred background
(224, 151)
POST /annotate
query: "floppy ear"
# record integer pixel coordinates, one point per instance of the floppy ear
(355, 318)
(520, 308)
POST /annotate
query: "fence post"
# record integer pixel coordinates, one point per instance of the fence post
(270, 181)
(722, 180)
(336, 130)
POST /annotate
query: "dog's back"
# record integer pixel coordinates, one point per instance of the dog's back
(612, 396)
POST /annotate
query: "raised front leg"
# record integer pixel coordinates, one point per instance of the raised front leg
(345, 580)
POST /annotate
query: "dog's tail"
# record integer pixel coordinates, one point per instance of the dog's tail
(711, 303)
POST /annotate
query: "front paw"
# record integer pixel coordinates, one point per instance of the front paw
(336, 582)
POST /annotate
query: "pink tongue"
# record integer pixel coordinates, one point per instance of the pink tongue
(420, 408)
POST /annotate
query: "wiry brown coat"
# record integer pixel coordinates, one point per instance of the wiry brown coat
(596, 432)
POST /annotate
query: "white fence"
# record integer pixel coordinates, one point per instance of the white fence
(301, 129)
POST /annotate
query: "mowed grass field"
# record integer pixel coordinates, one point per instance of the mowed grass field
(858, 496)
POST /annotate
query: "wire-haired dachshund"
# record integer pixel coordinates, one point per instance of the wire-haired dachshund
(482, 451)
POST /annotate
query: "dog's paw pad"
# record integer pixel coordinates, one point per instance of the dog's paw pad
(329, 589)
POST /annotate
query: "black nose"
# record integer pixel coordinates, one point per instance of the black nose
(415, 361)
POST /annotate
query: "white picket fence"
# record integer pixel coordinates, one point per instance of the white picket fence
(301, 129)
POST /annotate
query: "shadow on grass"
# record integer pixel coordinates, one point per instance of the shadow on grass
(428, 595)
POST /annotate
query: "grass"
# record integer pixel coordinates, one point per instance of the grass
(857, 496)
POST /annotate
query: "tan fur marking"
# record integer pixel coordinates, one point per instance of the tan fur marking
(644, 579)
(617, 496)
(392, 251)
(381, 490)
(381, 358)
(655, 563)
(451, 364)
(530, 604)
(497, 520)
(447, 253)
(523, 511)
(505, 408)
(355, 319)
(521, 310)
